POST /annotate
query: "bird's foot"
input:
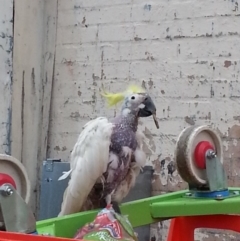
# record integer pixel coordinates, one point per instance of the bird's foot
(108, 199)
(114, 204)
(116, 207)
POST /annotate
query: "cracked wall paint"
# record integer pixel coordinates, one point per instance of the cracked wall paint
(185, 53)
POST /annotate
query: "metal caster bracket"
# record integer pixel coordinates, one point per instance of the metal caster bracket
(216, 187)
(215, 172)
(17, 216)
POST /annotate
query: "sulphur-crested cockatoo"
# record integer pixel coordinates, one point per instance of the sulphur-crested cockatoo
(108, 155)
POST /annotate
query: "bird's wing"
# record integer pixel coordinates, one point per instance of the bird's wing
(89, 160)
(135, 167)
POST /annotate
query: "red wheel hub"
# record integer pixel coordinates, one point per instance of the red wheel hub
(200, 153)
(5, 178)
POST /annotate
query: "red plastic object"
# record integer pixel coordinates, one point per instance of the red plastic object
(182, 228)
(9, 236)
(200, 152)
(5, 178)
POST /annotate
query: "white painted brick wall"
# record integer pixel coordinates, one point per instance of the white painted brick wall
(186, 53)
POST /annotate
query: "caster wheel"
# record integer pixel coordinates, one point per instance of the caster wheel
(12, 171)
(192, 146)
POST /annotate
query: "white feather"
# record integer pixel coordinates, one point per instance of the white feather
(65, 175)
(141, 106)
(140, 157)
(88, 161)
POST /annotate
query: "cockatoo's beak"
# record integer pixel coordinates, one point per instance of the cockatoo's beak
(148, 110)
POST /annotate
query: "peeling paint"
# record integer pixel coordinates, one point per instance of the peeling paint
(189, 120)
(147, 7)
(227, 63)
(6, 48)
(75, 115)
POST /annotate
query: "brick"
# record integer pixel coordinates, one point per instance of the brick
(196, 89)
(177, 50)
(78, 82)
(234, 90)
(170, 109)
(116, 70)
(76, 72)
(72, 18)
(195, 28)
(86, 53)
(109, 33)
(59, 147)
(175, 70)
(214, 48)
(74, 118)
(104, 15)
(141, 12)
(118, 52)
(223, 111)
(140, 50)
(76, 35)
(79, 4)
(156, 11)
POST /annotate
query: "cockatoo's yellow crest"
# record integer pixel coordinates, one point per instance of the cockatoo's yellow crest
(134, 89)
(113, 99)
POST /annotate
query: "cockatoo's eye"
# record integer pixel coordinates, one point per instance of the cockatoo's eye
(133, 97)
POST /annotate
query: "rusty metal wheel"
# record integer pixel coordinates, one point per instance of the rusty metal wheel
(192, 145)
(12, 171)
